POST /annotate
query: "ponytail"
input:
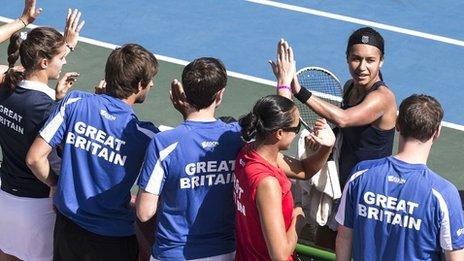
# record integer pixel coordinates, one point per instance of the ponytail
(13, 77)
(248, 123)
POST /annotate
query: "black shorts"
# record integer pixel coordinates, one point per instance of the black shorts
(71, 242)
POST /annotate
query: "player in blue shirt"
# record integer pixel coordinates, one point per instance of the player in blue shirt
(396, 208)
(187, 174)
(103, 148)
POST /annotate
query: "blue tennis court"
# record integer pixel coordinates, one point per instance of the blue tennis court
(244, 33)
(424, 47)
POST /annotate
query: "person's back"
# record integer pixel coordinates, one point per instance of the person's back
(402, 209)
(396, 208)
(195, 214)
(103, 146)
(187, 174)
(22, 114)
(103, 149)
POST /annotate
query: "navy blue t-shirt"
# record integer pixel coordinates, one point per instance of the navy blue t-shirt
(22, 114)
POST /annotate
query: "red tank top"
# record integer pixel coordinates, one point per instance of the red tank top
(250, 169)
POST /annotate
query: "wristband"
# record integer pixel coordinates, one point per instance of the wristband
(22, 22)
(303, 95)
(280, 87)
(70, 47)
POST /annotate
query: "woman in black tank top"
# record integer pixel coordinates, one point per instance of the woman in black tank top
(367, 117)
(368, 114)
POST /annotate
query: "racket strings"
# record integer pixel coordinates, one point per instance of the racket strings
(322, 84)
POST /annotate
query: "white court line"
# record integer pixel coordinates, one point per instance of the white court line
(183, 62)
(360, 21)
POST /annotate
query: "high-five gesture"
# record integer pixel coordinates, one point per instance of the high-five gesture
(73, 28)
(30, 12)
(284, 68)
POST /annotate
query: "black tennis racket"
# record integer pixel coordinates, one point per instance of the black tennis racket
(323, 84)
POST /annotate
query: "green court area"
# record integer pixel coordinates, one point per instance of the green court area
(447, 157)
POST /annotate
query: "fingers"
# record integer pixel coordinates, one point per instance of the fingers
(101, 87)
(177, 90)
(71, 19)
(76, 21)
(274, 67)
(70, 77)
(311, 144)
(79, 28)
(37, 12)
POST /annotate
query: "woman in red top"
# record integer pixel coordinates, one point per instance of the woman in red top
(265, 218)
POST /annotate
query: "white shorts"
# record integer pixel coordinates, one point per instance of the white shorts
(26, 227)
(224, 257)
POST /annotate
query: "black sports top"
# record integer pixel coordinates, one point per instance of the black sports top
(22, 114)
(362, 142)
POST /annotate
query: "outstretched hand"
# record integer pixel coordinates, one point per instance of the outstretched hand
(178, 98)
(284, 68)
(322, 136)
(30, 12)
(73, 28)
(63, 85)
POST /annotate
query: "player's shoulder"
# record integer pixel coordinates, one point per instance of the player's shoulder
(76, 96)
(171, 135)
(441, 186)
(79, 94)
(368, 169)
(147, 128)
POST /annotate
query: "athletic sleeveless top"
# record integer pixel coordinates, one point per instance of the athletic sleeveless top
(250, 169)
(362, 142)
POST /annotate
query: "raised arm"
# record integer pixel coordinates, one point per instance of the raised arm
(284, 68)
(72, 28)
(374, 105)
(30, 13)
(280, 242)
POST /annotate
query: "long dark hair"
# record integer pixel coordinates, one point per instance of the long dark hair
(41, 42)
(269, 114)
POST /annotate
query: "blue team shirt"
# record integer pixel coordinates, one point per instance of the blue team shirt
(400, 211)
(103, 148)
(191, 169)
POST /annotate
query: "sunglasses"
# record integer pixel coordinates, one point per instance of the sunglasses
(295, 129)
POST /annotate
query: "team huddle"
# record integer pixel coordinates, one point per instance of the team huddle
(218, 188)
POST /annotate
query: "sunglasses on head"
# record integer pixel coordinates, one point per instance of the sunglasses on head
(295, 129)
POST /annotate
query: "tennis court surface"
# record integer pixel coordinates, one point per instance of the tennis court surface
(424, 52)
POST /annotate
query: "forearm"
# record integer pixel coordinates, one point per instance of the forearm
(292, 237)
(455, 255)
(9, 29)
(316, 161)
(41, 169)
(327, 110)
(285, 247)
(343, 245)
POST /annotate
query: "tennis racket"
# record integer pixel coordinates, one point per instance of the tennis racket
(323, 84)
